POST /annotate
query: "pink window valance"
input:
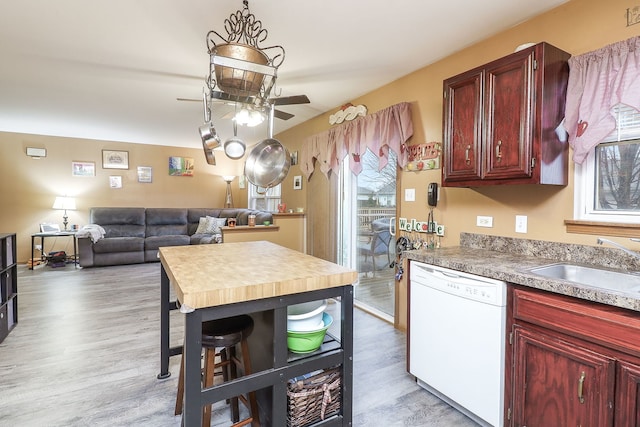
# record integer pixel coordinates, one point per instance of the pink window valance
(598, 81)
(387, 129)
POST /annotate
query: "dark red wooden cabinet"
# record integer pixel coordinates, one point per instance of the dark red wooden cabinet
(500, 120)
(574, 362)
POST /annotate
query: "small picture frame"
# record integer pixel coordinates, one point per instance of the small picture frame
(145, 174)
(49, 228)
(181, 166)
(83, 168)
(297, 182)
(294, 158)
(115, 181)
(113, 159)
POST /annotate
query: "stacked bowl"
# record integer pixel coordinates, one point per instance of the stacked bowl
(307, 324)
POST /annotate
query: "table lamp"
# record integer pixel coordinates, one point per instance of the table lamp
(65, 203)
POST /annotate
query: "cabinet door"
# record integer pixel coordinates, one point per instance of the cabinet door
(508, 117)
(558, 383)
(462, 127)
(628, 395)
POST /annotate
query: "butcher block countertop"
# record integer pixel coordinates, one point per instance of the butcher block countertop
(217, 274)
(509, 259)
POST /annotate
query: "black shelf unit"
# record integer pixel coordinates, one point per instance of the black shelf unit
(275, 365)
(8, 284)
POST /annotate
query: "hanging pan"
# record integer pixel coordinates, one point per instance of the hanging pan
(268, 162)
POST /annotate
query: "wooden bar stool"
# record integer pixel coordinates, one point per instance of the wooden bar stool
(224, 334)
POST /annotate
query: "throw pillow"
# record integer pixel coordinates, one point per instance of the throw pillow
(202, 225)
(220, 221)
(207, 225)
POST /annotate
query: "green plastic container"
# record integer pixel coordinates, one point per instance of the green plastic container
(308, 341)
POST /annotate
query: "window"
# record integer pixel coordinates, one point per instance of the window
(607, 184)
(262, 200)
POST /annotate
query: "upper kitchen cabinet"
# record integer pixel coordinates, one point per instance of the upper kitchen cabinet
(502, 121)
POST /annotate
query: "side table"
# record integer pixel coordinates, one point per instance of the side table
(43, 235)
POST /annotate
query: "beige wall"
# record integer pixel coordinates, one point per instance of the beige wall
(577, 27)
(29, 186)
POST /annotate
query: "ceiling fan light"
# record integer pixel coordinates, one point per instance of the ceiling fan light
(246, 117)
(255, 118)
(234, 148)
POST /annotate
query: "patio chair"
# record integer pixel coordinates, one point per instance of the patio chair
(378, 243)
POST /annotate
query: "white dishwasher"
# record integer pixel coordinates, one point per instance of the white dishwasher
(457, 339)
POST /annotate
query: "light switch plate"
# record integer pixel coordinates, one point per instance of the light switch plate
(409, 194)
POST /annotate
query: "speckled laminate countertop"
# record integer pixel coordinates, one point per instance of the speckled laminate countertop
(508, 259)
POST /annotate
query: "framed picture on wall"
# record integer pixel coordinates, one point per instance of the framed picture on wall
(115, 181)
(83, 168)
(49, 228)
(181, 166)
(112, 159)
(297, 182)
(145, 174)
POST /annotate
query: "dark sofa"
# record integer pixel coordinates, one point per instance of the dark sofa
(133, 235)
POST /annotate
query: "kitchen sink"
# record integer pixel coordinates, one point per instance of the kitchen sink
(590, 276)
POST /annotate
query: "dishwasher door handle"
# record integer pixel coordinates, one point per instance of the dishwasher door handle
(448, 276)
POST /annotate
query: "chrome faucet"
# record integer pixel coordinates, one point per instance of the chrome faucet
(619, 246)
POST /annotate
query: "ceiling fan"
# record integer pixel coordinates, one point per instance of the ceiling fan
(256, 102)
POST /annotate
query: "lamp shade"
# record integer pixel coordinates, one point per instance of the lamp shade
(64, 203)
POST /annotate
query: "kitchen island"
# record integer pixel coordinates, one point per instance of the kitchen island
(262, 279)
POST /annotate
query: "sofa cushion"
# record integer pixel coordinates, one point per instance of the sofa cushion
(166, 221)
(129, 216)
(155, 242)
(166, 216)
(119, 244)
(119, 222)
(201, 239)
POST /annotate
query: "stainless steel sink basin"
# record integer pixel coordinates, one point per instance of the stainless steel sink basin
(601, 278)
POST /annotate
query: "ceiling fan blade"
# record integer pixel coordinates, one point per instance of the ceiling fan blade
(290, 100)
(189, 99)
(282, 115)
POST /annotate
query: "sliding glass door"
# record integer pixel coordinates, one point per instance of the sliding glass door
(366, 231)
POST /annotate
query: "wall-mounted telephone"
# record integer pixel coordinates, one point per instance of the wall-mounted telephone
(432, 194)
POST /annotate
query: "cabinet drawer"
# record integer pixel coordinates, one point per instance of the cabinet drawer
(612, 327)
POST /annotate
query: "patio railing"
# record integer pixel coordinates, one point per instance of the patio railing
(366, 215)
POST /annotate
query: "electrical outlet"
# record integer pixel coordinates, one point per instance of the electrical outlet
(484, 221)
(521, 223)
(440, 230)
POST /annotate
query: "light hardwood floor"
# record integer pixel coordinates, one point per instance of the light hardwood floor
(85, 352)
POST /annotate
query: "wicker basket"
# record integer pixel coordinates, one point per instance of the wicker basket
(314, 399)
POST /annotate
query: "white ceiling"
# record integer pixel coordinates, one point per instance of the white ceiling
(112, 70)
